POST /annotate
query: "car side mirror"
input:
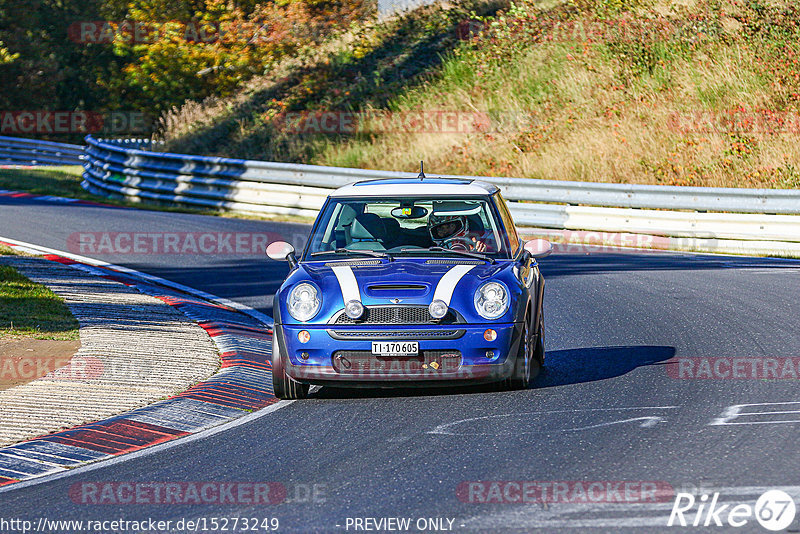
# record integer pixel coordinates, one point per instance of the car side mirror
(539, 248)
(281, 250)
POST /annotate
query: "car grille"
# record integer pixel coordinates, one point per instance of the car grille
(397, 315)
(397, 334)
(363, 362)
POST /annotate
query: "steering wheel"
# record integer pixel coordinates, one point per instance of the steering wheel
(459, 243)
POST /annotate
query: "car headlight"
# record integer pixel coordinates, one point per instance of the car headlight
(491, 300)
(303, 302)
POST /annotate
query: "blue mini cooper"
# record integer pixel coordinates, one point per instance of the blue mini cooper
(409, 282)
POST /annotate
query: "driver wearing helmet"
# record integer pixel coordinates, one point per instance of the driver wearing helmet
(452, 232)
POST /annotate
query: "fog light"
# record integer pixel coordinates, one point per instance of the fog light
(354, 309)
(437, 309)
(490, 354)
(303, 336)
(490, 335)
(304, 355)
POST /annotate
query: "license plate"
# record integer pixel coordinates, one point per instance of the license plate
(395, 348)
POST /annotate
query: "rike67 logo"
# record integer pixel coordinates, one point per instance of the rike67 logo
(774, 510)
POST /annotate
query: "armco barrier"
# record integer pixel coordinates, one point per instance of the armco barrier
(19, 151)
(282, 188)
(128, 162)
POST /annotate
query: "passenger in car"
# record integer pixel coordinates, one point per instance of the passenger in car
(367, 232)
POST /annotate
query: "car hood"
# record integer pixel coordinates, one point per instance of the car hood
(404, 281)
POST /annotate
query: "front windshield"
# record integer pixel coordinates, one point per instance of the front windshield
(409, 225)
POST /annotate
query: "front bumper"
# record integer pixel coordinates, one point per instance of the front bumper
(449, 354)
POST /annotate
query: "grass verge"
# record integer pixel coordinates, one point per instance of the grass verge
(57, 181)
(31, 310)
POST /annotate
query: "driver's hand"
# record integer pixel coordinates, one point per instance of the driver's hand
(479, 246)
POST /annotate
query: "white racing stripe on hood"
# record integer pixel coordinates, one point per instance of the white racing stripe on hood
(347, 283)
(448, 283)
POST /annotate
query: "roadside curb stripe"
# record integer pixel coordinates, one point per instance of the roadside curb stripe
(58, 200)
(241, 385)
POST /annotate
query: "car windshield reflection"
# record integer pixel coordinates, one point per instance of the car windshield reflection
(408, 225)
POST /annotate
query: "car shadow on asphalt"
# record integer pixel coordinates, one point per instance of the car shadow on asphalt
(589, 364)
(329, 393)
(562, 367)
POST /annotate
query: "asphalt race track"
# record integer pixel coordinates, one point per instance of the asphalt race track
(607, 409)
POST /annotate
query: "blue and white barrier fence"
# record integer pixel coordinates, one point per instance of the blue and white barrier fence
(18, 151)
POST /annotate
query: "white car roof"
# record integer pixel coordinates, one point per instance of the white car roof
(433, 186)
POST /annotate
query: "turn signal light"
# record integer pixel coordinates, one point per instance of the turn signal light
(354, 309)
(437, 309)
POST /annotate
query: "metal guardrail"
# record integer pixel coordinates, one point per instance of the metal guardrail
(19, 151)
(662, 197)
(282, 188)
(132, 162)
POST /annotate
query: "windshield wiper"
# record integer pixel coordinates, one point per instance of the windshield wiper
(459, 252)
(373, 253)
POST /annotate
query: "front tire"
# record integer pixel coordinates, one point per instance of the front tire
(527, 362)
(283, 385)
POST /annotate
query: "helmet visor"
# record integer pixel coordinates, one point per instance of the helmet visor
(447, 229)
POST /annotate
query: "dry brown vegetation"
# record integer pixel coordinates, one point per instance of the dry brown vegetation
(712, 101)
